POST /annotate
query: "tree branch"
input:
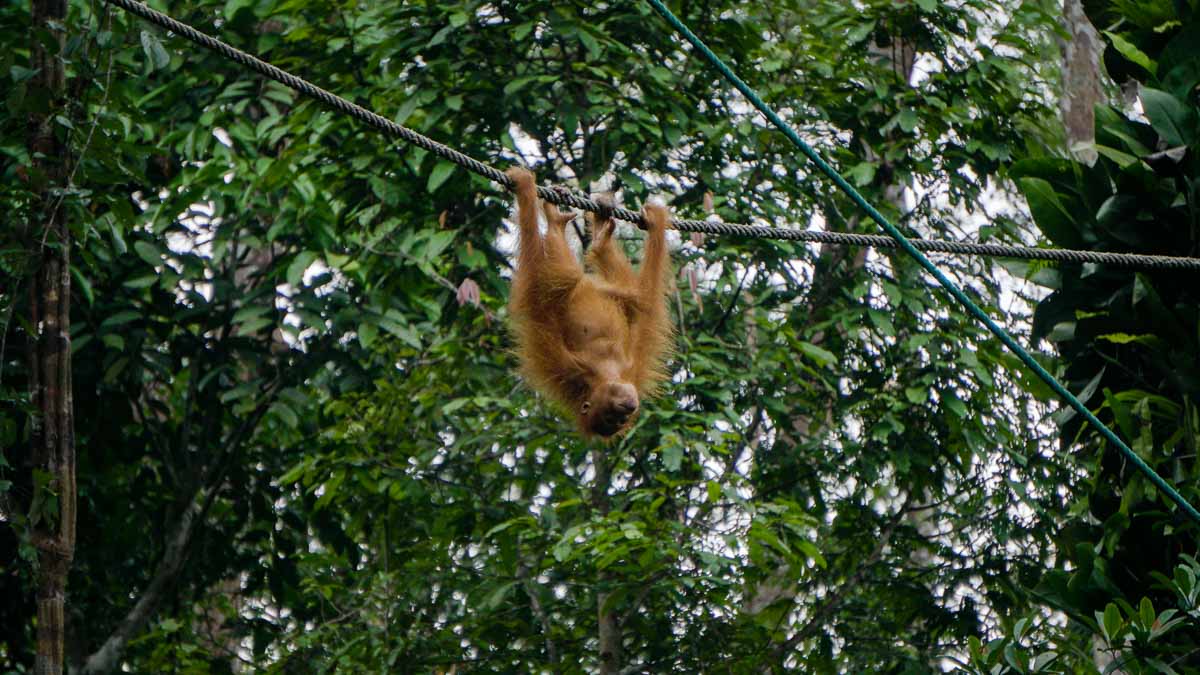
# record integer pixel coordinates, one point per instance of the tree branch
(106, 658)
(535, 603)
(835, 599)
(608, 623)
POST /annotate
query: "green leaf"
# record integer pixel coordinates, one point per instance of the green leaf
(498, 594)
(955, 405)
(522, 30)
(505, 525)
(862, 173)
(1158, 666)
(113, 371)
(113, 341)
(142, 282)
(860, 32)
(1112, 623)
(1062, 332)
(1143, 291)
(823, 357)
(441, 171)
(405, 333)
(253, 326)
(1090, 390)
(120, 318)
(975, 647)
(437, 243)
(233, 6)
(908, 117)
(516, 84)
(766, 536)
(250, 312)
(1126, 338)
(928, 6)
(1131, 52)
(1121, 413)
(1174, 120)
(406, 110)
(148, 252)
(85, 286)
(1049, 212)
(882, 322)
(591, 44)
(285, 414)
(440, 37)
(810, 549)
(367, 332)
(294, 473)
(118, 238)
(1014, 658)
(454, 405)
(156, 55)
(713, 490)
(562, 549)
(1121, 159)
(1146, 612)
(1039, 662)
(330, 488)
(295, 271)
(672, 457)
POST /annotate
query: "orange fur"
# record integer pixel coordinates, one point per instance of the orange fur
(594, 342)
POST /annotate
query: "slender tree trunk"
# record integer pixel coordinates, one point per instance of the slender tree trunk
(1081, 73)
(607, 620)
(52, 451)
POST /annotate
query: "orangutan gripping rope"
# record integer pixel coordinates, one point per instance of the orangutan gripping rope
(593, 342)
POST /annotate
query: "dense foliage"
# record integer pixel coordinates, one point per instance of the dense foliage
(301, 442)
(1127, 576)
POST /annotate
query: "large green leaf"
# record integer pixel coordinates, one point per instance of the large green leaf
(1051, 213)
(1174, 120)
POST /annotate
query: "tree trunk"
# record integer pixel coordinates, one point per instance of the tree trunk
(1081, 81)
(52, 430)
(607, 621)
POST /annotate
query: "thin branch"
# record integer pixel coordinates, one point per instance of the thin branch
(106, 658)
(539, 611)
(834, 600)
(732, 303)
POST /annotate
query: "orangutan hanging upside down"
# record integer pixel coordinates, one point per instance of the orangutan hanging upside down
(593, 342)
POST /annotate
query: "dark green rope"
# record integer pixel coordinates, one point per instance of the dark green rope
(908, 247)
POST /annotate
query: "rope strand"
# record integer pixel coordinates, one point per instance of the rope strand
(573, 200)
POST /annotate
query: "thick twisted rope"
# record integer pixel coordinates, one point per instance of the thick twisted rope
(573, 200)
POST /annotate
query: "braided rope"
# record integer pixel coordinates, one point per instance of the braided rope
(574, 200)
